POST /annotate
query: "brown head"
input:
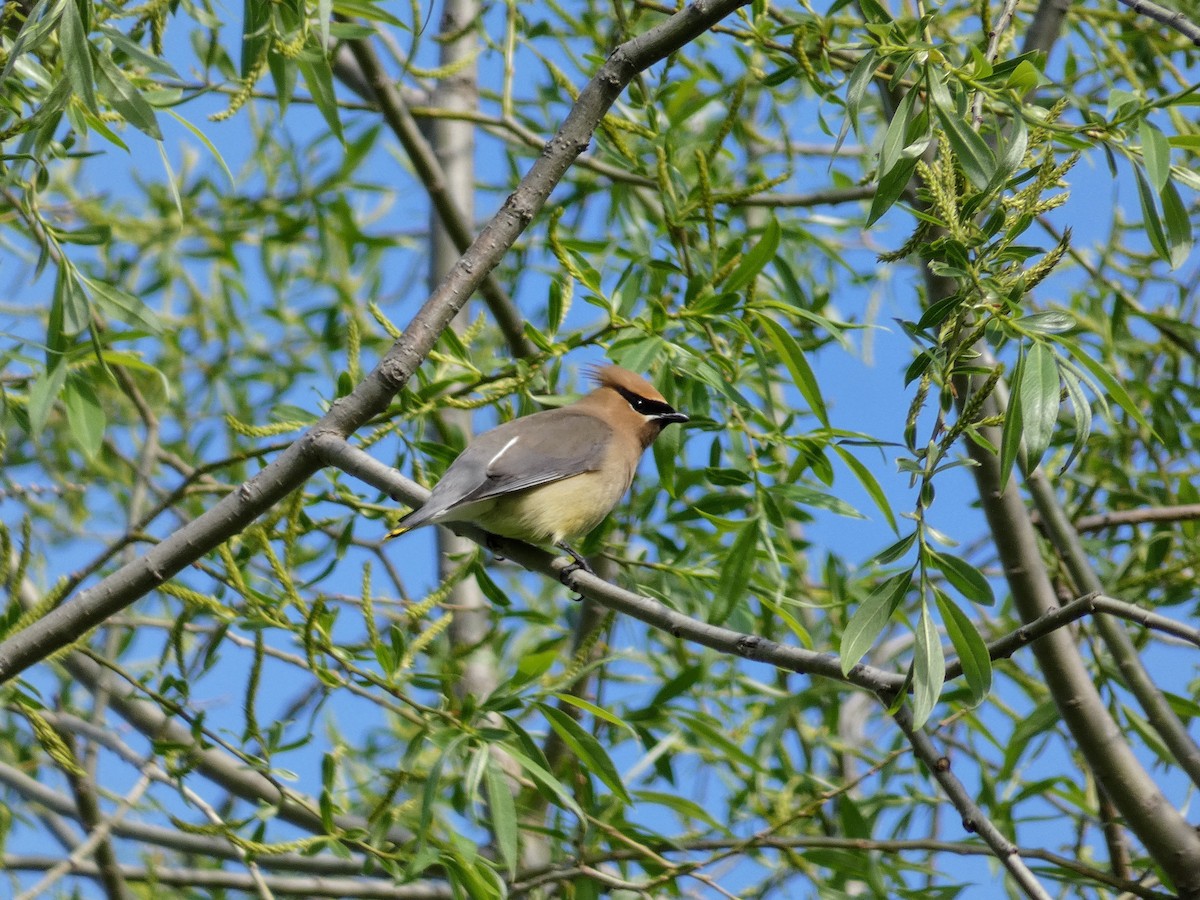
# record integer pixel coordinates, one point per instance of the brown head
(631, 404)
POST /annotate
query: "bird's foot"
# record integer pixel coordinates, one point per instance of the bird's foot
(579, 563)
(493, 544)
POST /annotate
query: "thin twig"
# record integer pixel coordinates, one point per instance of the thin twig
(1173, 19)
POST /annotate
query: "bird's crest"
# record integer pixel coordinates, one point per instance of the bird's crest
(622, 379)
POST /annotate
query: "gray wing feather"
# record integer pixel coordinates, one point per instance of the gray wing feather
(549, 446)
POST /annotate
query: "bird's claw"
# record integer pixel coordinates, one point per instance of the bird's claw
(578, 563)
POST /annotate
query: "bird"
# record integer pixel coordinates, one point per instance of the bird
(552, 477)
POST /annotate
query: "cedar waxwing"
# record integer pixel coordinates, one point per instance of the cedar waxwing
(552, 476)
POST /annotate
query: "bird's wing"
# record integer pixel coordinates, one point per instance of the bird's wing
(553, 445)
(548, 446)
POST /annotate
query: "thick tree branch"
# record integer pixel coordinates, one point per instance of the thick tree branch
(297, 463)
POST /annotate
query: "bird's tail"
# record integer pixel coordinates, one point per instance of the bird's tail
(415, 519)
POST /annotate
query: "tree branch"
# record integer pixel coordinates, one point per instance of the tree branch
(218, 879)
(1173, 19)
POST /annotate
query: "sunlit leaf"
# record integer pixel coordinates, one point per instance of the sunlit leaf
(869, 620)
(929, 668)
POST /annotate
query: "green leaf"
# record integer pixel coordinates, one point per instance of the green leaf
(896, 136)
(125, 98)
(76, 313)
(589, 751)
(972, 152)
(256, 17)
(1039, 402)
(738, 566)
(967, 579)
(860, 80)
(319, 79)
(1082, 411)
(77, 56)
(119, 304)
(1156, 153)
(969, 645)
(756, 259)
(1010, 435)
(890, 188)
(504, 815)
(1179, 225)
(598, 711)
(1150, 218)
(208, 145)
(42, 395)
(793, 357)
(874, 12)
(85, 417)
(929, 668)
(872, 615)
(1047, 322)
(870, 484)
(1112, 387)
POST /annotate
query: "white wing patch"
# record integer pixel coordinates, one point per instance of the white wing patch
(502, 451)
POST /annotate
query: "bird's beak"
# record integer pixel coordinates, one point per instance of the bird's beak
(668, 418)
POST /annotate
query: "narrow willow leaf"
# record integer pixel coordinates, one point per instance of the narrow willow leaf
(929, 668)
(125, 98)
(870, 484)
(735, 574)
(972, 152)
(256, 18)
(549, 786)
(76, 313)
(895, 137)
(860, 79)
(1179, 225)
(891, 186)
(797, 365)
(1081, 410)
(1010, 437)
(871, 617)
(589, 751)
(85, 417)
(967, 579)
(1112, 387)
(119, 304)
(969, 645)
(1150, 217)
(1156, 153)
(318, 77)
(1047, 322)
(77, 56)
(756, 258)
(42, 396)
(1039, 402)
(504, 815)
(598, 711)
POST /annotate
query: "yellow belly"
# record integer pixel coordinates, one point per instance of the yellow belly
(555, 512)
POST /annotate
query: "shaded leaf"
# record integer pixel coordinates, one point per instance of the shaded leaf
(969, 645)
(734, 583)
